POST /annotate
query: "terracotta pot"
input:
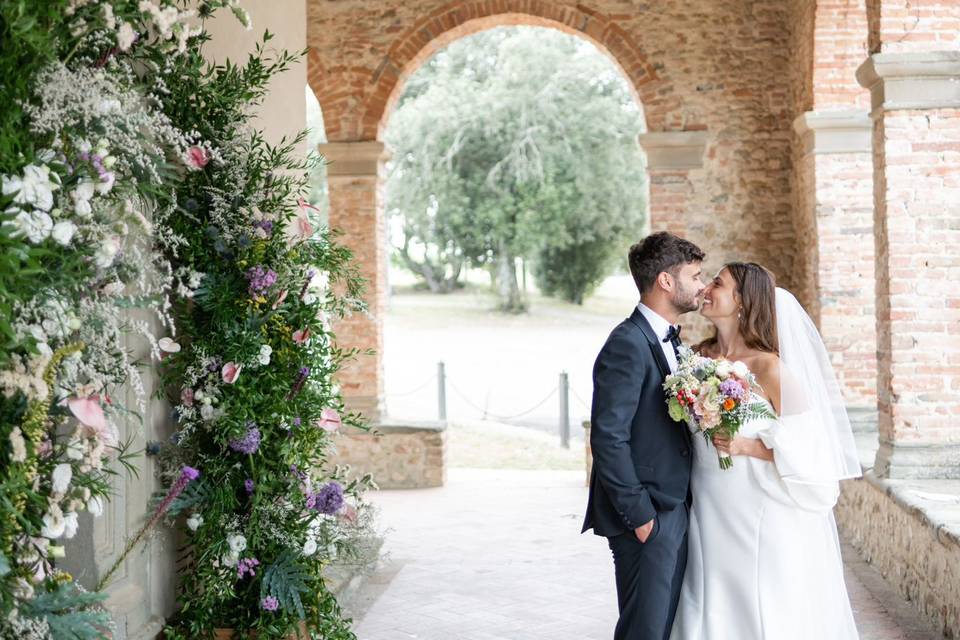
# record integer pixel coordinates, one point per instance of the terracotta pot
(232, 634)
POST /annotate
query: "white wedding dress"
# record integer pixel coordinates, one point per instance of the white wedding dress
(763, 555)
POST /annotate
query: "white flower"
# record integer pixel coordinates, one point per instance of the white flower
(724, 367)
(125, 36)
(19, 446)
(36, 225)
(194, 521)
(230, 560)
(95, 506)
(83, 209)
(168, 345)
(71, 525)
(309, 298)
(740, 369)
(237, 543)
(309, 547)
(107, 252)
(35, 187)
(63, 232)
(54, 523)
(106, 183)
(207, 412)
(61, 476)
(108, 16)
(75, 447)
(81, 196)
(107, 107)
(265, 352)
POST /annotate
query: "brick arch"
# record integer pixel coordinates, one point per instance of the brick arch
(357, 101)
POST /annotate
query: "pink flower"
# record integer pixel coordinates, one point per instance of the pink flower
(304, 228)
(88, 411)
(280, 299)
(348, 513)
(301, 335)
(329, 420)
(186, 397)
(197, 157)
(231, 371)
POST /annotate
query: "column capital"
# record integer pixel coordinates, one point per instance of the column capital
(847, 131)
(927, 80)
(674, 150)
(353, 159)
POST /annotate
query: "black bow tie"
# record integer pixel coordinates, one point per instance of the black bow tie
(673, 337)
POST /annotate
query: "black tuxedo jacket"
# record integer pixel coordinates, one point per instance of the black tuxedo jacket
(641, 458)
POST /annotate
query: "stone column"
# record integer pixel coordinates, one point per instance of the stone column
(356, 209)
(670, 157)
(915, 100)
(835, 183)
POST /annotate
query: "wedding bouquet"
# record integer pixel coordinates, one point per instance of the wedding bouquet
(713, 396)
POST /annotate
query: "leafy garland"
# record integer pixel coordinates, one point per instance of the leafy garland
(255, 399)
(132, 179)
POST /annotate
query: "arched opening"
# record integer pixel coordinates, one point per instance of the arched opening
(516, 183)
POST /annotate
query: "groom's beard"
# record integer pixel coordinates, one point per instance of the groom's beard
(685, 301)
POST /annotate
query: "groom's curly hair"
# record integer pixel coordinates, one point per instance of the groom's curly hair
(657, 253)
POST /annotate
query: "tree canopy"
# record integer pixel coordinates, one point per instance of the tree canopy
(517, 142)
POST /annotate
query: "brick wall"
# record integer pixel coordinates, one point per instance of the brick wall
(718, 66)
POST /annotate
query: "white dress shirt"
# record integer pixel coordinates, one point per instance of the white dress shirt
(661, 327)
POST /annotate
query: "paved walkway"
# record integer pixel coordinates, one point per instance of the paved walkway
(498, 555)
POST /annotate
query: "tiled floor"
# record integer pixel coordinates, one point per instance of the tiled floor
(498, 555)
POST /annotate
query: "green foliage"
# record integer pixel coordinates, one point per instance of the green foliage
(286, 580)
(516, 142)
(71, 613)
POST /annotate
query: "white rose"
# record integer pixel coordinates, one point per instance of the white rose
(194, 521)
(35, 187)
(107, 252)
(237, 543)
(207, 412)
(309, 298)
(61, 476)
(70, 520)
(724, 368)
(265, 352)
(740, 369)
(230, 560)
(36, 225)
(75, 448)
(63, 232)
(83, 209)
(95, 506)
(309, 547)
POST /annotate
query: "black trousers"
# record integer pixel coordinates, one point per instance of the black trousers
(649, 576)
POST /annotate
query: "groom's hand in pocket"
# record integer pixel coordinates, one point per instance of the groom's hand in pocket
(643, 533)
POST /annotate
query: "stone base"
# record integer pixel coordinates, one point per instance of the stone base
(904, 461)
(399, 455)
(910, 531)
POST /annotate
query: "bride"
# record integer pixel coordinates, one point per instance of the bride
(763, 555)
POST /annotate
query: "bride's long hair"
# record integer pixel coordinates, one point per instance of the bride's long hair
(757, 288)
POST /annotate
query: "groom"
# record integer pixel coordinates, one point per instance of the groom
(639, 489)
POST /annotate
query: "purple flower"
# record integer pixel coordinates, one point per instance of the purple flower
(732, 389)
(246, 566)
(266, 225)
(269, 604)
(260, 279)
(249, 443)
(296, 421)
(328, 500)
(248, 485)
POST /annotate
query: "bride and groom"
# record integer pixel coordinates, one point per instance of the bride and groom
(699, 552)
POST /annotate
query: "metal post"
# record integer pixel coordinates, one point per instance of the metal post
(564, 410)
(442, 391)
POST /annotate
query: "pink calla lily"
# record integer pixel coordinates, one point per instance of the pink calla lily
(329, 420)
(302, 335)
(88, 411)
(230, 372)
(280, 299)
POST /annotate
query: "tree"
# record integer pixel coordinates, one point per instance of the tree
(515, 142)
